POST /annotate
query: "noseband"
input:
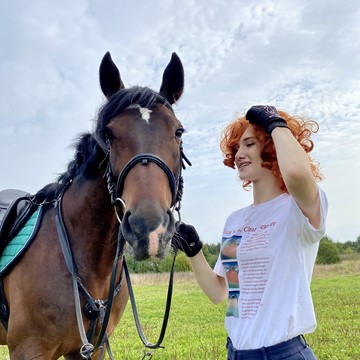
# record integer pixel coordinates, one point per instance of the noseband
(176, 183)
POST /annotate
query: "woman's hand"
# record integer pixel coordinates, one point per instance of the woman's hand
(186, 239)
(265, 116)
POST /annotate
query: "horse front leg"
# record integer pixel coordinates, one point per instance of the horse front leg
(31, 349)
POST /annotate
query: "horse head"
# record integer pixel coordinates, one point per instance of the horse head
(140, 133)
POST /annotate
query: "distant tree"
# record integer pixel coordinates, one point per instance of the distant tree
(205, 250)
(214, 249)
(182, 262)
(348, 251)
(166, 264)
(328, 252)
(357, 242)
(211, 253)
(349, 247)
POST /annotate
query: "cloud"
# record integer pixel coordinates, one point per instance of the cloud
(300, 56)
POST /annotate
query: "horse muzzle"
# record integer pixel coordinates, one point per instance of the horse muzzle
(148, 234)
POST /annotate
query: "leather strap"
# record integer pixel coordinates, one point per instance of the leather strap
(87, 348)
(135, 312)
(144, 159)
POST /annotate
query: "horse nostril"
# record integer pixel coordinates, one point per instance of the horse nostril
(138, 225)
(126, 221)
(125, 226)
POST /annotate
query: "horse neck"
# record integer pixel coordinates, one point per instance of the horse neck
(92, 227)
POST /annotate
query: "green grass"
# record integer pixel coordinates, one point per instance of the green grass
(196, 331)
(337, 306)
(195, 327)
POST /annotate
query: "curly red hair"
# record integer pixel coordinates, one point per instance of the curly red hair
(301, 129)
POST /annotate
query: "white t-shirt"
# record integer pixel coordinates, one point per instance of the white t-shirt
(267, 257)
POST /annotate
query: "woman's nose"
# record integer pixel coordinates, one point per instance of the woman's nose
(239, 154)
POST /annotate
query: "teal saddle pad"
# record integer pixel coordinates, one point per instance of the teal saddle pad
(20, 242)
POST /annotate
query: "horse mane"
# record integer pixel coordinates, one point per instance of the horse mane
(86, 163)
(90, 148)
(88, 156)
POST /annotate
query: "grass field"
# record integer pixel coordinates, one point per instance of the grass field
(195, 330)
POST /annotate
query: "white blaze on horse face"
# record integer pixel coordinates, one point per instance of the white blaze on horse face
(154, 240)
(145, 112)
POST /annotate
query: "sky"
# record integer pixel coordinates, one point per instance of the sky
(302, 56)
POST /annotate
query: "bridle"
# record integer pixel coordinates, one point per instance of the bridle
(102, 308)
(176, 186)
(176, 183)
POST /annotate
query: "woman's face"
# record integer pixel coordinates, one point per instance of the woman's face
(248, 157)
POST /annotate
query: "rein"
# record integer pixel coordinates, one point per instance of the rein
(95, 308)
(146, 343)
(176, 186)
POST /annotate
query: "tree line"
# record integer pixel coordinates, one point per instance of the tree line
(330, 252)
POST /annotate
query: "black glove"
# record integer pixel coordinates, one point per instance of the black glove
(186, 239)
(265, 116)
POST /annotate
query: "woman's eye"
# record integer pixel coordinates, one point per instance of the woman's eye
(178, 133)
(249, 144)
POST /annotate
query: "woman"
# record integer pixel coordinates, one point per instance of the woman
(269, 248)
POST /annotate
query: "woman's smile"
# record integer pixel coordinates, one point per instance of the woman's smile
(243, 164)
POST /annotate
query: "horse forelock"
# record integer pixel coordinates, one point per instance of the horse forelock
(120, 101)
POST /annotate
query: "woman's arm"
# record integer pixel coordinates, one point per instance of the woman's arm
(293, 161)
(213, 285)
(296, 172)
(187, 240)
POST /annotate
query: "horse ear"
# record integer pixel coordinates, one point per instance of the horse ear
(172, 85)
(110, 80)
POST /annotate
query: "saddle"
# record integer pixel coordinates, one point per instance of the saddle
(15, 209)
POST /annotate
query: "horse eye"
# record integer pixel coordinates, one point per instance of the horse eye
(109, 135)
(178, 133)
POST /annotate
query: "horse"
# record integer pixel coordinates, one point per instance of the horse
(122, 185)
